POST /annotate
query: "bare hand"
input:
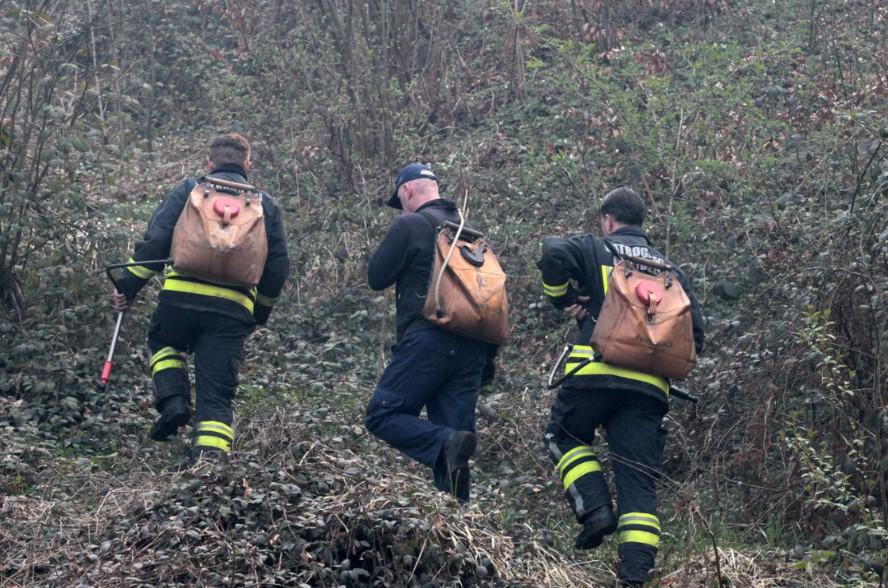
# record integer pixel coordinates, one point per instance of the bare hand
(577, 310)
(120, 301)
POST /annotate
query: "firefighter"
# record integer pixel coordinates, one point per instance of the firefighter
(629, 405)
(196, 317)
(430, 367)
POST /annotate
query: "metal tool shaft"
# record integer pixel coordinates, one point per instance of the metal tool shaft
(106, 369)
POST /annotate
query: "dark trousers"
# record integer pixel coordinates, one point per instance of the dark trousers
(217, 343)
(635, 438)
(437, 370)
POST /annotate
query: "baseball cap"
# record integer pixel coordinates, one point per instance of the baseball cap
(411, 171)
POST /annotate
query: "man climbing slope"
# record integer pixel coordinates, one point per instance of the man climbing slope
(198, 316)
(430, 367)
(628, 404)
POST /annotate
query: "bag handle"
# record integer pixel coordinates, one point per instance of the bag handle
(471, 233)
(227, 184)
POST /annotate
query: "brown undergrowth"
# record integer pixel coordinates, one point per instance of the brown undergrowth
(312, 500)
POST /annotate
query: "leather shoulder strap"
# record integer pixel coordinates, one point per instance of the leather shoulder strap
(430, 218)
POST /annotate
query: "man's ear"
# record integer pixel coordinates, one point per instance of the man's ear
(210, 165)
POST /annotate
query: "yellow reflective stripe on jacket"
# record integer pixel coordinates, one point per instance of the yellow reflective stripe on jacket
(605, 276)
(587, 467)
(171, 284)
(581, 352)
(555, 291)
(210, 441)
(640, 518)
(265, 300)
(216, 426)
(599, 368)
(573, 455)
(140, 271)
(644, 537)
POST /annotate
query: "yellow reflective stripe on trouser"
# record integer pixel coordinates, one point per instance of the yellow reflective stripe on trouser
(213, 434)
(605, 276)
(587, 467)
(210, 441)
(599, 368)
(573, 455)
(140, 271)
(165, 359)
(644, 537)
(163, 353)
(216, 426)
(631, 528)
(168, 364)
(555, 291)
(640, 518)
(173, 285)
(265, 300)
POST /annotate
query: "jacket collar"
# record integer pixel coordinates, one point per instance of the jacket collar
(438, 203)
(229, 168)
(630, 231)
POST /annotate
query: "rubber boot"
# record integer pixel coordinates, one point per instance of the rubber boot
(458, 448)
(596, 525)
(173, 414)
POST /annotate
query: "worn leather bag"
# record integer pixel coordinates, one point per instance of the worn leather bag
(469, 296)
(220, 235)
(645, 322)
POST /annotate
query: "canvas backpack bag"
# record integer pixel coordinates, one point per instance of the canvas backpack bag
(467, 286)
(645, 321)
(220, 235)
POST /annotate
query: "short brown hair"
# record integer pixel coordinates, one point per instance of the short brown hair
(625, 205)
(230, 148)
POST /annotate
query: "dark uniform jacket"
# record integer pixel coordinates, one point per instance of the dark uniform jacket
(405, 257)
(580, 266)
(188, 292)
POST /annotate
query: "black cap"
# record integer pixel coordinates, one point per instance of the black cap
(411, 171)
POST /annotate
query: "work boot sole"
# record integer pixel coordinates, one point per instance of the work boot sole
(167, 427)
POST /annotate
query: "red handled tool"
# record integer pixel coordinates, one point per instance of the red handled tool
(106, 368)
(109, 365)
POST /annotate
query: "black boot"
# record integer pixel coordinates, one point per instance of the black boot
(174, 412)
(458, 448)
(596, 525)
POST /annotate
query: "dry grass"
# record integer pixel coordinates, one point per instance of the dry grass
(312, 500)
